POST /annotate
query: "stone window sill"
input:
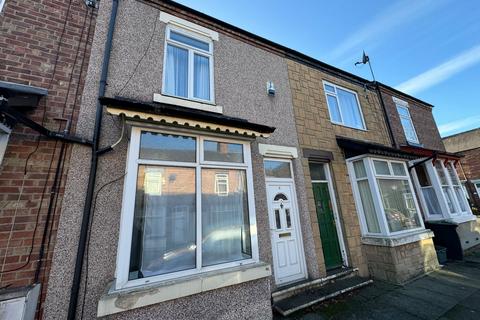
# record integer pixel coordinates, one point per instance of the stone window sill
(113, 301)
(160, 98)
(399, 240)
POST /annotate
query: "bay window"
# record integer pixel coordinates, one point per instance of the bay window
(384, 196)
(188, 65)
(188, 207)
(343, 106)
(441, 195)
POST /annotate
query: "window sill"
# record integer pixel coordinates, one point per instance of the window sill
(398, 240)
(113, 301)
(463, 218)
(160, 98)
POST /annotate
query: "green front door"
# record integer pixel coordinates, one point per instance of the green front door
(326, 224)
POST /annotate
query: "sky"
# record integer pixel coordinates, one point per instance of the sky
(427, 48)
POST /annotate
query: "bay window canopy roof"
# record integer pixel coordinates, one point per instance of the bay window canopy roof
(423, 152)
(353, 148)
(173, 115)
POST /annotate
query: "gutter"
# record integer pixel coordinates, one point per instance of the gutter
(96, 151)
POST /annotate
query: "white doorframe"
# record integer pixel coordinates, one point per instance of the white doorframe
(291, 182)
(333, 199)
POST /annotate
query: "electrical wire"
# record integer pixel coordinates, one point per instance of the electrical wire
(89, 237)
(141, 59)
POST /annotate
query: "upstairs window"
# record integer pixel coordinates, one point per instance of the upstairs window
(188, 65)
(343, 106)
(406, 121)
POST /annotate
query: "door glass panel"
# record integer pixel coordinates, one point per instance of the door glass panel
(277, 219)
(225, 219)
(222, 151)
(280, 196)
(317, 171)
(167, 147)
(277, 169)
(164, 232)
(287, 215)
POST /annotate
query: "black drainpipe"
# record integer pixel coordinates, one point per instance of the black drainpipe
(72, 308)
(385, 115)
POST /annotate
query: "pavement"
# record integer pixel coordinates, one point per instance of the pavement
(453, 292)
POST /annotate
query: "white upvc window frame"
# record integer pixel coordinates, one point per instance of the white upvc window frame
(335, 95)
(404, 105)
(435, 180)
(128, 205)
(372, 177)
(191, 52)
(4, 136)
(477, 187)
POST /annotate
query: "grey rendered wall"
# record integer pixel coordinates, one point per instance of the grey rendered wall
(241, 73)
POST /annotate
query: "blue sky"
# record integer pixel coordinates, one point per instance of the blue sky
(428, 48)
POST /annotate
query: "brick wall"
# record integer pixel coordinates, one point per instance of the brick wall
(422, 118)
(44, 44)
(401, 263)
(315, 131)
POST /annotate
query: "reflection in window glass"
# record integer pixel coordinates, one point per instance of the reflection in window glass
(398, 204)
(189, 41)
(334, 109)
(225, 219)
(164, 210)
(317, 171)
(167, 147)
(277, 169)
(222, 151)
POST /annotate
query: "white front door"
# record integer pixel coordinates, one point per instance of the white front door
(288, 257)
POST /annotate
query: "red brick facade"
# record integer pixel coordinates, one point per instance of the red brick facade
(43, 44)
(422, 118)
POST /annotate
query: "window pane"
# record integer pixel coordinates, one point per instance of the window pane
(409, 130)
(225, 220)
(461, 198)
(453, 174)
(277, 169)
(398, 169)
(368, 207)
(317, 171)
(329, 88)
(167, 147)
(448, 196)
(333, 107)
(381, 167)
(359, 168)
(431, 200)
(163, 238)
(201, 77)
(422, 176)
(403, 111)
(222, 151)
(189, 41)
(350, 109)
(440, 173)
(176, 71)
(399, 205)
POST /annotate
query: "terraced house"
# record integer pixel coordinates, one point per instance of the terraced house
(224, 176)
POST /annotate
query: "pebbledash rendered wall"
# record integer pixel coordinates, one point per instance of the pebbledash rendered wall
(241, 73)
(395, 263)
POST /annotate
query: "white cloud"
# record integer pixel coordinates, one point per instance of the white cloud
(459, 125)
(393, 16)
(442, 72)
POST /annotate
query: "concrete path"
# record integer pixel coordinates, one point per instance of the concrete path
(450, 293)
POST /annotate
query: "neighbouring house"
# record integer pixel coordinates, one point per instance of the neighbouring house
(44, 51)
(439, 190)
(467, 144)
